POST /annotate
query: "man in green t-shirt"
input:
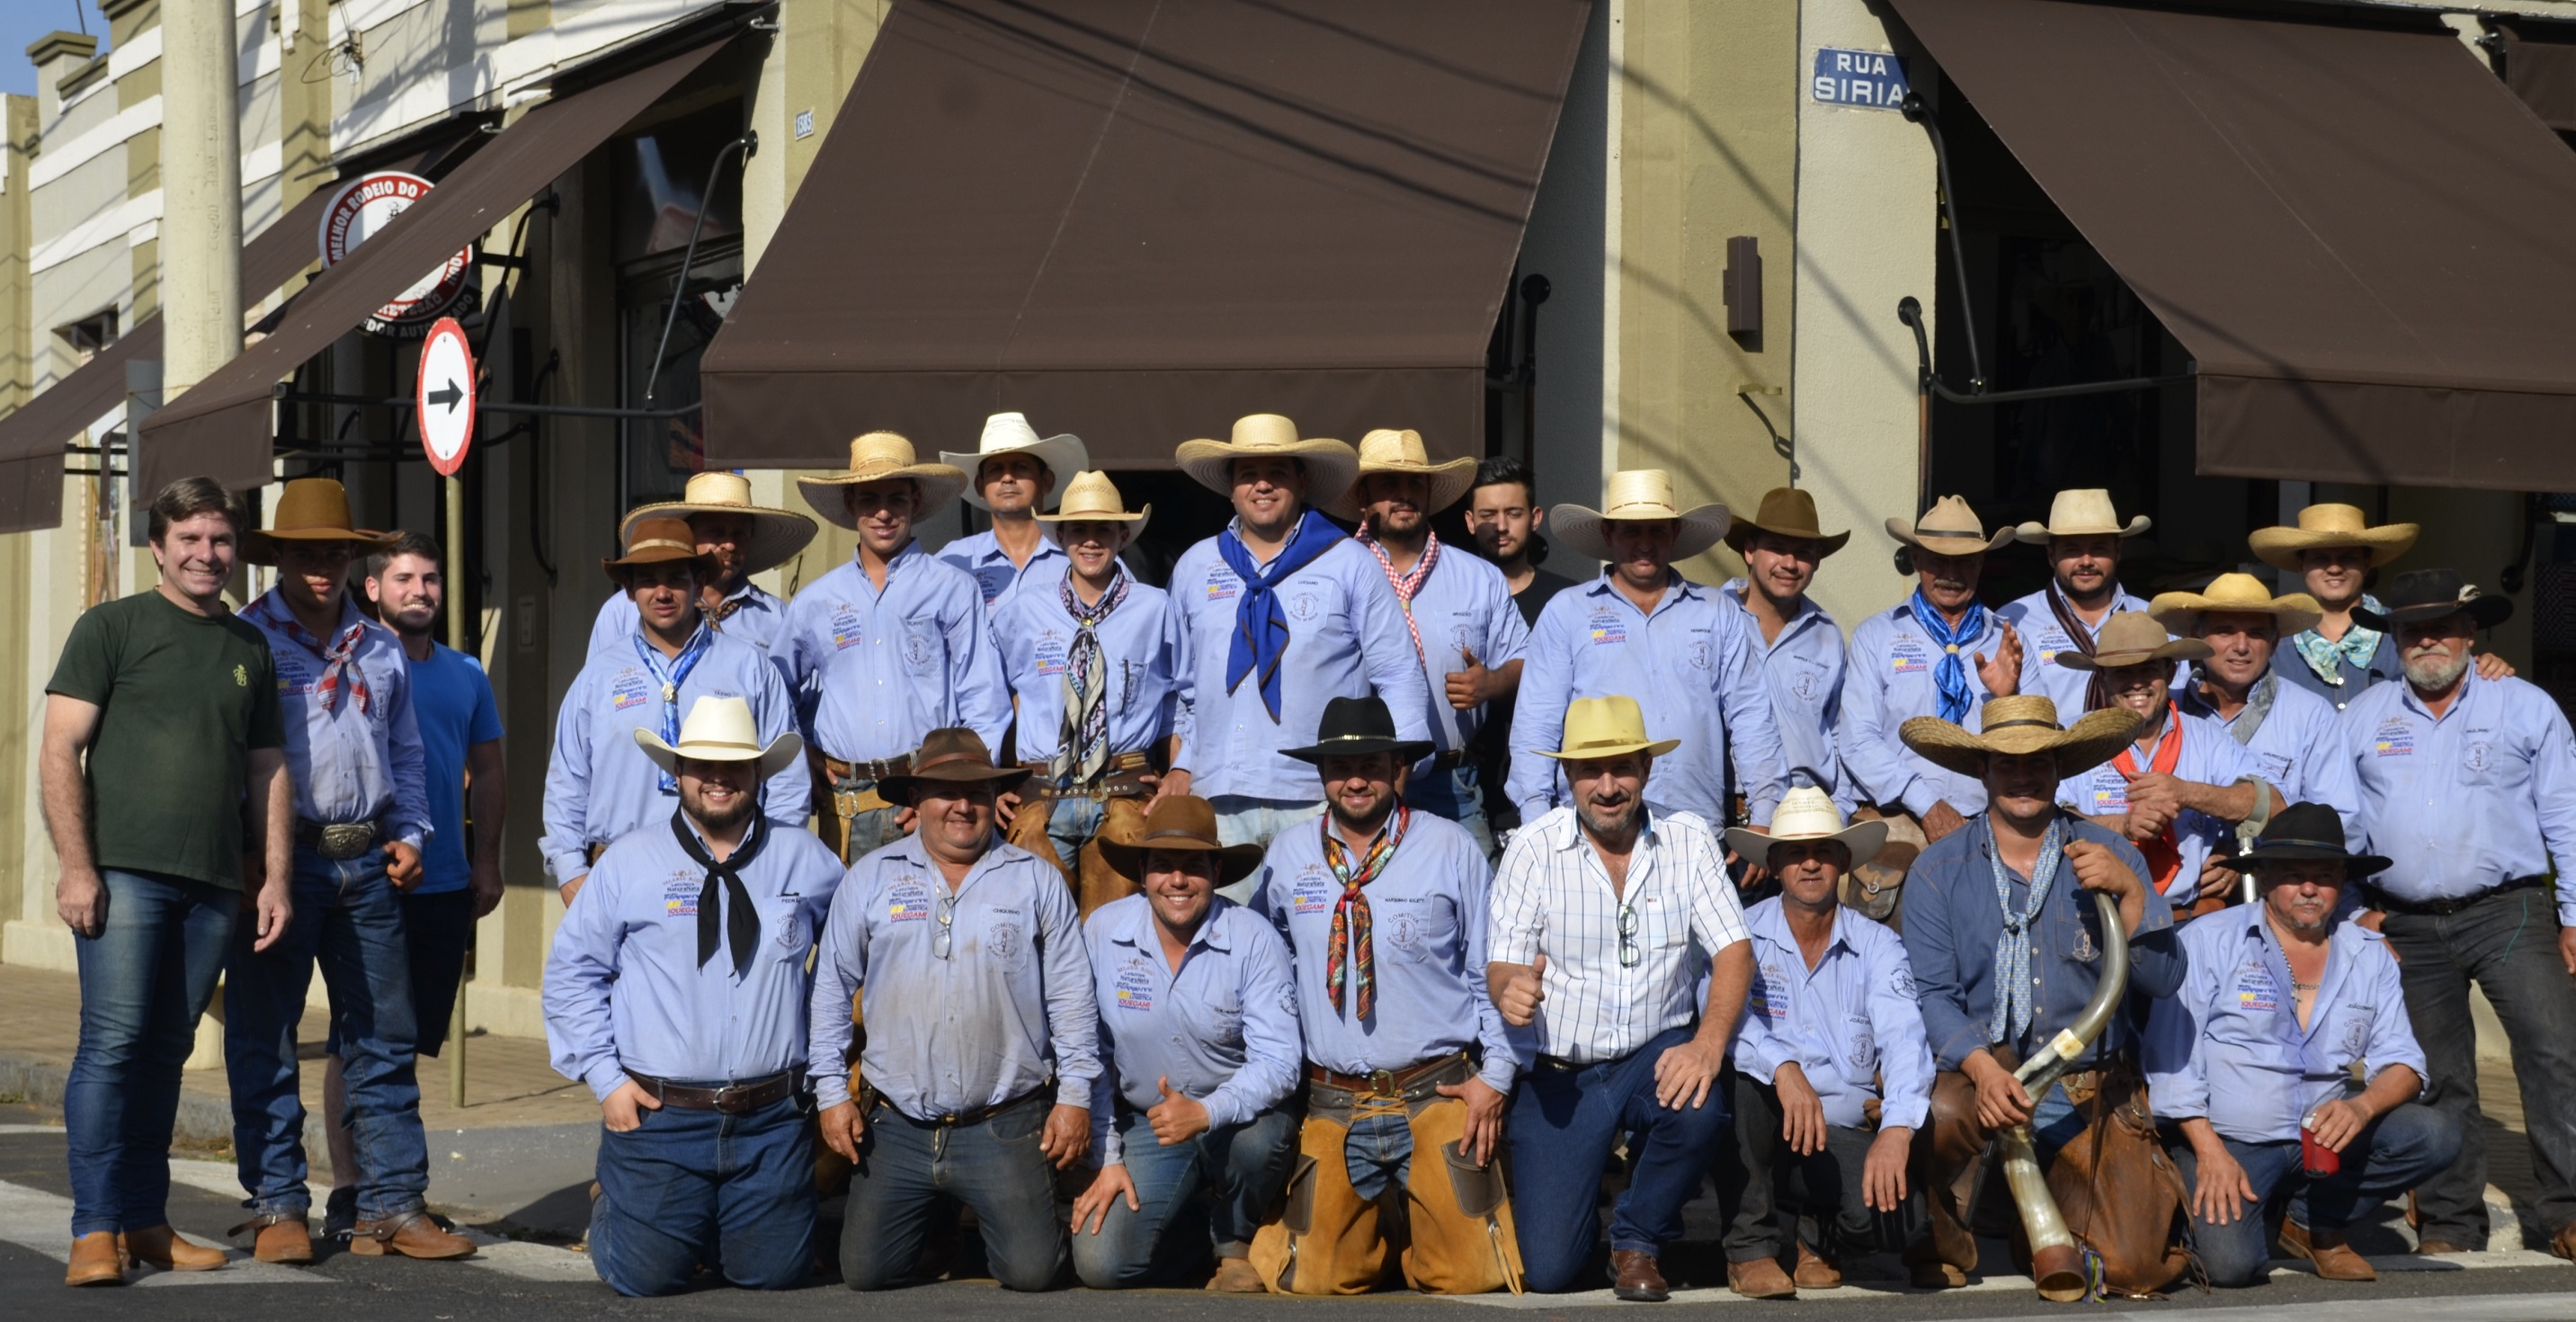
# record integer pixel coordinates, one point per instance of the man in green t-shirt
(162, 740)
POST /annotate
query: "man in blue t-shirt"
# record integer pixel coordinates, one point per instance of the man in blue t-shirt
(460, 736)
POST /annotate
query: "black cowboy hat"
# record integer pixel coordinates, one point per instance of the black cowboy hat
(1357, 727)
(2430, 594)
(2309, 830)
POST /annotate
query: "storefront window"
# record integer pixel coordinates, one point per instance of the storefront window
(662, 189)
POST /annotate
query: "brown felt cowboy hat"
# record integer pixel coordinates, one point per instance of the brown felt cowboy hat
(2322, 526)
(1401, 452)
(2430, 594)
(2019, 725)
(1785, 512)
(1949, 528)
(952, 755)
(311, 509)
(1187, 823)
(2235, 594)
(776, 535)
(655, 542)
(2132, 638)
(882, 456)
(1330, 465)
(1638, 495)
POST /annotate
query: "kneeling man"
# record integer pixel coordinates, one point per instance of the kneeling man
(2255, 1059)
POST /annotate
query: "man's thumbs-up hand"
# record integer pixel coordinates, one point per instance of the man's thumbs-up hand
(1522, 990)
(1469, 688)
(1176, 1119)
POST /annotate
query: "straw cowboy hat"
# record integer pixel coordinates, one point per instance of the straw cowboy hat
(1010, 433)
(2082, 512)
(1606, 727)
(2133, 639)
(654, 542)
(2321, 526)
(2018, 725)
(1786, 512)
(1183, 822)
(1330, 465)
(953, 755)
(1808, 813)
(1388, 451)
(2430, 594)
(1093, 498)
(2180, 612)
(1637, 495)
(776, 535)
(877, 457)
(721, 730)
(311, 509)
(1949, 528)
(1357, 727)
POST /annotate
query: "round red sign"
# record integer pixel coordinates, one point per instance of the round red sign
(360, 210)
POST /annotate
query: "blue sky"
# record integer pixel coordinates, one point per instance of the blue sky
(23, 21)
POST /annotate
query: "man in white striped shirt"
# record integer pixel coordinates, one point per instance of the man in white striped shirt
(1601, 917)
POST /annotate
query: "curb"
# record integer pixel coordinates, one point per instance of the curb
(200, 1119)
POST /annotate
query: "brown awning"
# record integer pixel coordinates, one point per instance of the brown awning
(1136, 221)
(2360, 234)
(2540, 67)
(223, 427)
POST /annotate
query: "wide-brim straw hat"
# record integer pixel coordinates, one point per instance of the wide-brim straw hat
(1612, 726)
(1638, 495)
(952, 755)
(1330, 465)
(657, 541)
(2181, 612)
(721, 730)
(1949, 528)
(776, 535)
(1093, 498)
(2430, 594)
(2321, 526)
(311, 509)
(1386, 450)
(882, 456)
(1808, 813)
(2020, 725)
(2133, 638)
(1010, 433)
(2082, 512)
(1785, 512)
(1182, 822)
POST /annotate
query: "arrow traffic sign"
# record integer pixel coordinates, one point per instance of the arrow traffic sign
(443, 396)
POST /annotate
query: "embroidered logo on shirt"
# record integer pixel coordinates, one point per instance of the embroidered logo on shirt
(241, 677)
(1770, 998)
(1907, 657)
(628, 690)
(1003, 941)
(1051, 654)
(908, 902)
(1696, 652)
(680, 895)
(846, 629)
(2257, 993)
(1303, 606)
(1807, 686)
(1135, 987)
(1313, 891)
(2395, 739)
(2110, 793)
(1221, 585)
(1862, 1051)
(993, 578)
(2356, 1029)
(919, 642)
(2053, 642)
(1608, 628)
(2479, 758)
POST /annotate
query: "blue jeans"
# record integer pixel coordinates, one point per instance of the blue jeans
(1562, 1126)
(1070, 824)
(1242, 820)
(2392, 1155)
(349, 917)
(144, 980)
(1454, 794)
(1243, 1167)
(685, 1188)
(994, 1168)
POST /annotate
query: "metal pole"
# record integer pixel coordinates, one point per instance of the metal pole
(456, 638)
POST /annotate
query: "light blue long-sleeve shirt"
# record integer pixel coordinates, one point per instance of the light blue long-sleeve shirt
(2483, 794)
(625, 993)
(1007, 1007)
(599, 783)
(1223, 1028)
(1428, 909)
(1465, 605)
(2210, 756)
(757, 618)
(2228, 1047)
(879, 670)
(2288, 745)
(1691, 666)
(1846, 1022)
(1889, 682)
(980, 557)
(1143, 643)
(2042, 638)
(1346, 639)
(1802, 669)
(348, 764)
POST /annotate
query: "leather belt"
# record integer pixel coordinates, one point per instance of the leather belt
(1408, 1083)
(1123, 779)
(2443, 908)
(1448, 759)
(731, 1099)
(973, 1115)
(593, 850)
(866, 773)
(338, 841)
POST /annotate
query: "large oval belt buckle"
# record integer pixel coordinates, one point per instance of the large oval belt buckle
(346, 840)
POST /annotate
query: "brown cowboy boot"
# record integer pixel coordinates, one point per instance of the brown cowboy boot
(96, 1260)
(1815, 1271)
(2564, 1242)
(160, 1246)
(1236, 1276)
(1760, 1278)
(284, 1238)
(2334, 1259)
(408, 1234)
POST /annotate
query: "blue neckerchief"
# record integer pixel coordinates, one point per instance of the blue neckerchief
(2014, 998)
(1950, 674)
(671, 675)
(1260, 628)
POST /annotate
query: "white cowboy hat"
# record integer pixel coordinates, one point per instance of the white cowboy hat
(2322, 526)
(877, 457)
(1010, 433)
(721, 730)
(1949, 528)
(1638, 494)
(1093, 498)
(1330, 465)
(776, 535)
(1390, 451)
(2082, 512)
(2024, 723)
(1606, 727)
(2181, 612)
(1808, 813)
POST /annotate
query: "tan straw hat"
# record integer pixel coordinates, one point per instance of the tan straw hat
(1389, 451)
(1330, 465)
(311, 509)
(2133, 638)
(1786, 512)
(1010, 433)
(657, 541)
(776, 535)
(2181, 612)
(1183, 822)
(1808, 813)
(882, 456)
(2322, 526)
(2082, 512)
(1093, 498)
(721, 730)
(2018, 725)
(1949, 528)
(1638, 495)
(1607, 727)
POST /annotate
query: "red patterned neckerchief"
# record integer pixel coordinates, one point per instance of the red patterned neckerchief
(1408, 583)
(1349, 956)
(2164, 852)
(340, 658)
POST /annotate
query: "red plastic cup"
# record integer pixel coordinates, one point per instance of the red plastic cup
(2316, 1158)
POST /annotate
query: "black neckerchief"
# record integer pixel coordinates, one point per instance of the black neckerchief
(742, 922)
